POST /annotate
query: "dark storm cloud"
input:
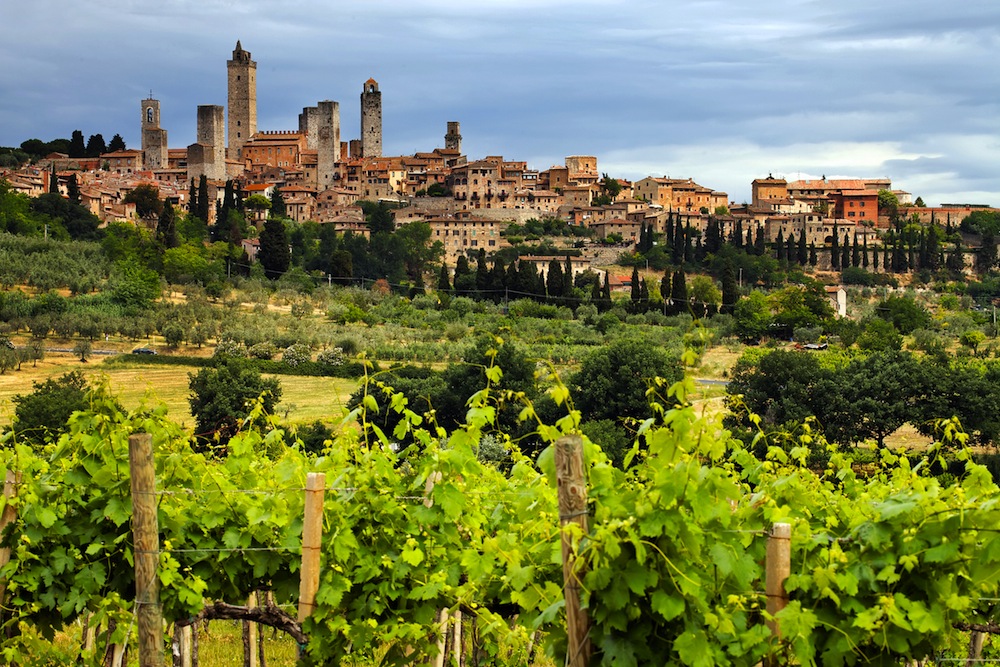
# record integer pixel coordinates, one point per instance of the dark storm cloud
(722, 91)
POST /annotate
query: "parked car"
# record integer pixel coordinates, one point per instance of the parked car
(143, 350)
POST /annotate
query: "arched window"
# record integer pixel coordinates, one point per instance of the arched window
(149, 115)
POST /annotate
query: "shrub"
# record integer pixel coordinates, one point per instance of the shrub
(265, 350)
(229, 348)
(333, 356)
(296, 354)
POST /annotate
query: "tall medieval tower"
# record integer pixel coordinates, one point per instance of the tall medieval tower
(154, 138)
(242, 107)
(327, 143)
(453, 139)
(371, 120)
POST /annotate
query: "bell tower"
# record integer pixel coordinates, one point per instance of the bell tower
(242, 104)
(154, 138)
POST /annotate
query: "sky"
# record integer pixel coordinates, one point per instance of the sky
(721, 91)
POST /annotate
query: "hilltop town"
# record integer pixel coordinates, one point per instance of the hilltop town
(468, 202)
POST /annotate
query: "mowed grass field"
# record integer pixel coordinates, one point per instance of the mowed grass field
(303, 399)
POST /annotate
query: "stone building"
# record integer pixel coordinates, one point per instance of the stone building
(242, 77)
(154, 138)
(309, 126)
(207, 156)
(371, 120)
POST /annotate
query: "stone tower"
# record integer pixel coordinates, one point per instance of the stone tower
(327, 143)
(309, 126)
(154, 138)
(208, 155)
(242, 101)
(371, 120)
(453, 139)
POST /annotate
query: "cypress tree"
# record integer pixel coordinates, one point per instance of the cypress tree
(730, 290)
(688, 248)
(835, 250)
(568, 277)
(193, 199)
(482, 273)
(635, 294)
(274, 254)
(864, 253)
(278, 208)
(813, 257)
(748, 242)
(203, 201)
(463, 282)
(665, 289)
(855, 252)
(803, 249)
(166, 227)
(53, 180)
(779, 246)
(679, 293)
(759, 243)
(713, 236)
(498, 281)
(845, 253)
(554, 283)
(643, 296)
(443, 286)
(73, 189)
(605, 303)
(875, 259)
(790, 251)
(885, 257)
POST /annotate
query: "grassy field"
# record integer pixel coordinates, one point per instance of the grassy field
(304, 399)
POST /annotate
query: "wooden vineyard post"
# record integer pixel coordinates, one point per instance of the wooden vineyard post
(146, 541)
(312, 537)
(572, 487)
(7, 518)
(779, 566)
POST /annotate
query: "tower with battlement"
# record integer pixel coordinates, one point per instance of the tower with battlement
(154, 138)
(371, 120)
(453, 139)
(242, 107)
(327, 143)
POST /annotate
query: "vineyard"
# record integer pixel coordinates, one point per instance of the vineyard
(888, 564)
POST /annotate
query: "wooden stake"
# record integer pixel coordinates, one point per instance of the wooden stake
(572, 488)
(312, 537)
(6, 519)
(250, 636)
(442, 638)
(457, 646)
(146, 544)
(779, 567)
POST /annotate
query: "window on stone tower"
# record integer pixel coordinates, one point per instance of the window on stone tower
(149, 115)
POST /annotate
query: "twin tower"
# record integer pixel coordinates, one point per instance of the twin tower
(320, 125)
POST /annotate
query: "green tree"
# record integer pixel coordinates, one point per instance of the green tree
(888, 204)
(77, 147)
(752, 317)
(146, 198)
(116, 144)
(880, 336)
(274, 254)
(905, 314)
(278, 203)
(96, 146)
(166, 228)
(223, 398)
(204, 203)
(73, 190)
(40, 416)
(82, 349)
(613, 380)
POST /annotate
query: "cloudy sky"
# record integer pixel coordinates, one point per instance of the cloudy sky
(722, 91)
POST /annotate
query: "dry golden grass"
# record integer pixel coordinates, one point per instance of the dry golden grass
(304, 399)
